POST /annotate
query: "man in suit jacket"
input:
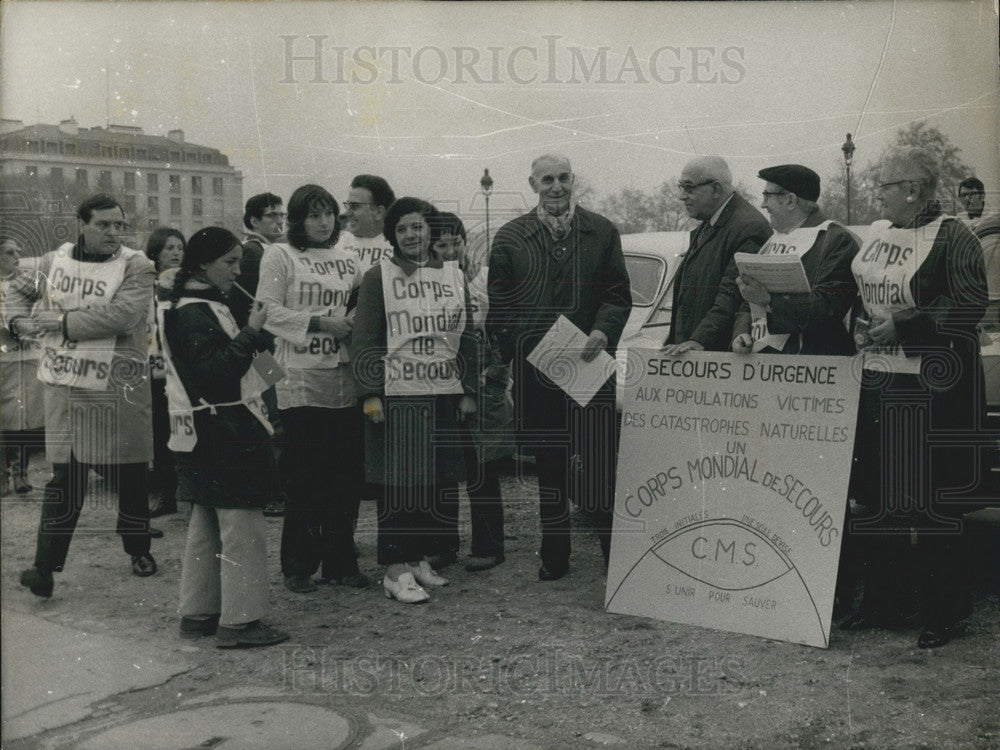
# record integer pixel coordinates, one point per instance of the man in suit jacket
(560, 259)
(706, 297)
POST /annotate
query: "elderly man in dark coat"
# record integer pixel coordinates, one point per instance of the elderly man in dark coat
(560, 259)
(706, 297)
(809, 322)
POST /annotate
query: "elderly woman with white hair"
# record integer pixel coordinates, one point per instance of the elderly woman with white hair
(922, 283)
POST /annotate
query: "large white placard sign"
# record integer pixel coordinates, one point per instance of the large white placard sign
(732, 485)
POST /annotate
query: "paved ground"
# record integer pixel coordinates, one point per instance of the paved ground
(64, 687)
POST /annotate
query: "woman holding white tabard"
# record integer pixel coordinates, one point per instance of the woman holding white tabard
(22, 411)
(414, 350)
(923, 290)
(309, 286)
(219, 432)
(809, 322)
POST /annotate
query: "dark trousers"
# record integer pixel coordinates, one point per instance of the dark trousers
(899, 576)
(322, 466)
(414, 522)
(576, 459)
(63, 502)
(164, 476)
(485, 505)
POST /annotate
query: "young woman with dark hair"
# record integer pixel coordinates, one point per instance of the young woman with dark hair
(414, 354)
(309, 286)
(219, 430)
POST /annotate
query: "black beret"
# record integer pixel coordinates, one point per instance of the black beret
(794, 178)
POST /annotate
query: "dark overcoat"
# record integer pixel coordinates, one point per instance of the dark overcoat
(706, 297)
(533, 280)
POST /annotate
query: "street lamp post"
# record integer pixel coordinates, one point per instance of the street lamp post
(848, 149)
(486, 183)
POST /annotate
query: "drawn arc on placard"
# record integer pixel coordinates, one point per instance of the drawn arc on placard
(724, 522)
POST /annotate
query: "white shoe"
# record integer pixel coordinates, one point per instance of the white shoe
(404, 589)
(425, 574)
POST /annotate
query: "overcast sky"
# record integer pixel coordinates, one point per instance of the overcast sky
(429, 94)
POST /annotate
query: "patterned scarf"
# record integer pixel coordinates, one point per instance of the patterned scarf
(558, 226)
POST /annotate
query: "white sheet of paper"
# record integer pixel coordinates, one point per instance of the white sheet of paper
(777, 273)
(557, 356)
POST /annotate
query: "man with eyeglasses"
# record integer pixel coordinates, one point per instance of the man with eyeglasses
(706, 297)
(92, 322)
(265, 223)
(811, 322)
(368, 199)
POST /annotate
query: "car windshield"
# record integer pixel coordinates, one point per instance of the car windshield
(645, 274)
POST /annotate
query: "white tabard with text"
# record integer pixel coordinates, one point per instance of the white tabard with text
(732, 486)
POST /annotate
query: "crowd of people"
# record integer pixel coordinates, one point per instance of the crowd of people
(361, 352)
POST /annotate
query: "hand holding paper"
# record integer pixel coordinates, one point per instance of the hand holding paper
(776, 273)
(562, 354)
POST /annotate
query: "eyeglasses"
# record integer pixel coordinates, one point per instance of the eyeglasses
(104, 226)
(965, 196)
(768, 193)
(689, 187)
(278, 215)
(353, 205)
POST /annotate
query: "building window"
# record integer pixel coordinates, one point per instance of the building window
(152, 183)
(51, 147)
(107, 152)
(69, 149)
(216, 186)
(104, 181)
(153, 205)
(175, 206)
(128, 204)
(196, 184)
(175, 183)
(31, 171)
(196, 209)
(56, 175)
(81, 178)
(175, 156)
(130, 180)
(140, 154)
(33, 147)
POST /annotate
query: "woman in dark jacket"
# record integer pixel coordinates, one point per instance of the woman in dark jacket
(413, 351)
(219, 430)
(923, 289)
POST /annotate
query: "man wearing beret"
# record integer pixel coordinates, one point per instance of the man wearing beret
(706, 297)
(810, 322)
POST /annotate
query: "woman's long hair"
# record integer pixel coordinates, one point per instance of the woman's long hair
(205, 246)
(156, 241)
(304, 200)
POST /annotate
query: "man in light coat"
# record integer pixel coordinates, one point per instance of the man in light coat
(92, 323)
